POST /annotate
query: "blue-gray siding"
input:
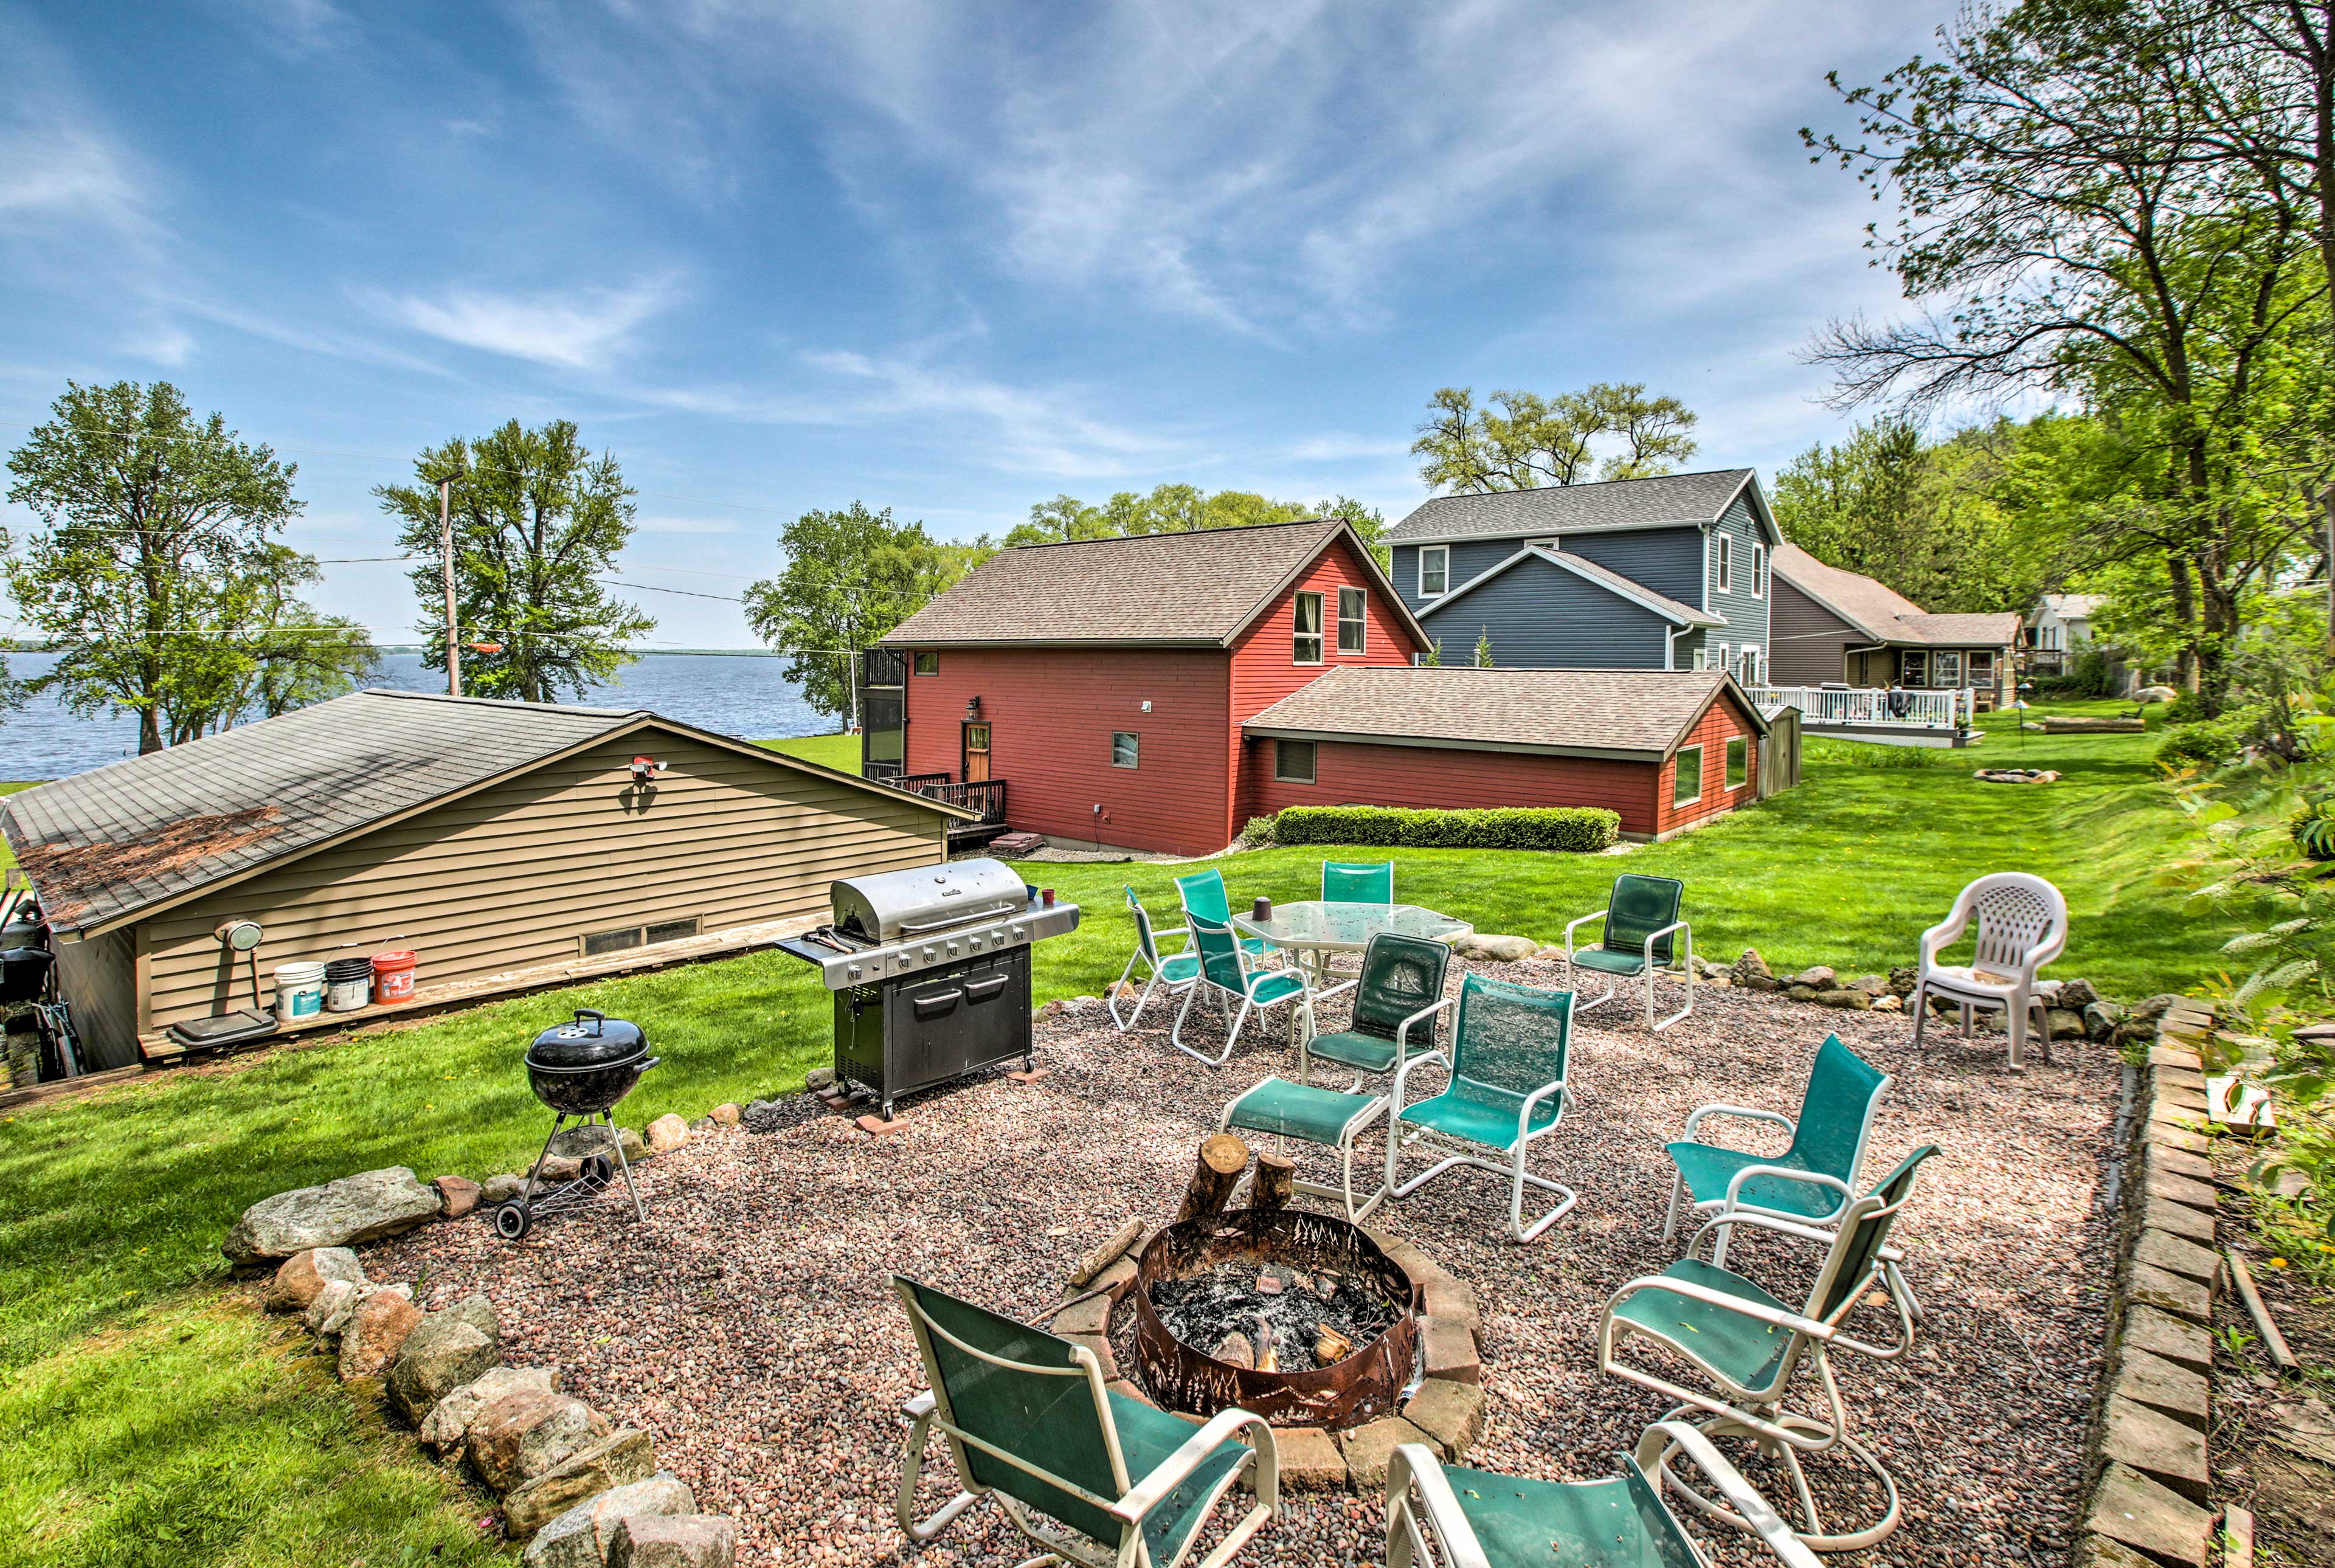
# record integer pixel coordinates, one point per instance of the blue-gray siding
(1747, 613)
(1542, 616)
(1470, 559)
(1667, 560)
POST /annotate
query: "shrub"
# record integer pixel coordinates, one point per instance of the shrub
(1820, 751)
(1259, 833)
(2090, 675)
(2314, 829)
(2208, 742)
(1575, 829)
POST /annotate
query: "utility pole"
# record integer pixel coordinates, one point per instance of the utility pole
(446, 542)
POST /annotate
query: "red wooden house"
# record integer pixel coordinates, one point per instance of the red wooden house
(1155, 693)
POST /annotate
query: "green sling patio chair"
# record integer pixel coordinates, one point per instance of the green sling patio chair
(1316, 1116)
(1641, 920)
(1225, 972)
(1203, 895)
(1030, 1422)
(1176, 970)
(1347, 882)
(1396, 999)
(1480, 1519)
(1507, 1091)
(1810, 1182)
(1750, 1345)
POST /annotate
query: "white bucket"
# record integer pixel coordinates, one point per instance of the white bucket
(299, 992)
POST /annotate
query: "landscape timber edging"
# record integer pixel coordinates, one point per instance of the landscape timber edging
(2147, 1489)
(1446, 1411)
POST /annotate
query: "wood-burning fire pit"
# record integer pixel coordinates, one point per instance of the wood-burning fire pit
(1299, 1317)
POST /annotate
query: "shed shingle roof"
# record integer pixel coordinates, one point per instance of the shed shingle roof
(1197, 586)
(1594, 712)
(1882, 613)
(148, 830)
(1576, 508)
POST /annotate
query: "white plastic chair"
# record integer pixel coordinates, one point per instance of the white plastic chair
(2022, 925)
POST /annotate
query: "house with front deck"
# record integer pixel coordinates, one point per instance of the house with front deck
(1835, 627)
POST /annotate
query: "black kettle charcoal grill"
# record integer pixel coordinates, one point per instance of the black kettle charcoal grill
(580, 1069)
(930, 970)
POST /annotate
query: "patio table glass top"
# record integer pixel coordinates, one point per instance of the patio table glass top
(1315, 926)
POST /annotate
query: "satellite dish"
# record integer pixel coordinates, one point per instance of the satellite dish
(240, 935)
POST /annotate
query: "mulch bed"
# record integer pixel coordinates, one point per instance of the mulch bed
(747, 1324)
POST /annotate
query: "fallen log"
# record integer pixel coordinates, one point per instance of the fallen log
(1103, 1256)
(1222, 1159)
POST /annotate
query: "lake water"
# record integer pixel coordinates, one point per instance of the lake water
(744, 695)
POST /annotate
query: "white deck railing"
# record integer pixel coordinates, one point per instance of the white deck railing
(1824, 707)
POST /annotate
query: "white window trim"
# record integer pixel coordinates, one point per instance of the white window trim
(1362, 621)
(1678, 761)
(1722, 564)
(1759, 569)
(1733, 741)
(1444, 551)
(1751, 650)
(1297, 631)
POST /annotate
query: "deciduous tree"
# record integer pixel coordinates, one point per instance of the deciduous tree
(1520, 440)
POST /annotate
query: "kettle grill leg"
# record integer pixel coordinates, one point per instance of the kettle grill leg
(640, 1210)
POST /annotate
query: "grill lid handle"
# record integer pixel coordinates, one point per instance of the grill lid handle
(597, 1018)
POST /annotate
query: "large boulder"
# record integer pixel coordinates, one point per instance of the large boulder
(1751, 967)
(522, 1435)
(374, 1333)
(580, 1537)
(502, 1189)
(665, 1134)
(1904, 980)
(330, 1310)
(2064, 1024)
(445, 1351)
(1820, 977)
(618, 1459)
(448, 1421)
(674, 1541)
(1494, 949)
(2101, 1019)
(363, 1207)
(1842, 997)
(305, 1274)
(459, 1193)
(2075, 995)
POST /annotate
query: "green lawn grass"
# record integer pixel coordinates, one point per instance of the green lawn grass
(111, 1208)
(838, 751)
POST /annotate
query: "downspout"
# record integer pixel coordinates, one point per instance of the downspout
(1670, 647)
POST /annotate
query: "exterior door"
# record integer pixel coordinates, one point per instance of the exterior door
(976, 753)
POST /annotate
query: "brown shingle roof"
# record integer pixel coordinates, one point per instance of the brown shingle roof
(1591, 712)
(1562, 509)
(1882, 613)
(150, 829)
(1200, 587)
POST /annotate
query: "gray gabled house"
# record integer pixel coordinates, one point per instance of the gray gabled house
(1667, 573)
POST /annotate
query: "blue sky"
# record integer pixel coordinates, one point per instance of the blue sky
(951, 260)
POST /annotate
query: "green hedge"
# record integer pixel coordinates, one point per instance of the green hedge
(1579, 829)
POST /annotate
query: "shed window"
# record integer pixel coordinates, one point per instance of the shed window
(1686, 783)
(1350, 604)
(673, 930)
(1293, 761)
(1723, 563)
(928, 663)
(1307, 624)
(1758, 571)
(598, 944)
(1738, 763)
(1124, 745)
(1434, 570)
(600, 941)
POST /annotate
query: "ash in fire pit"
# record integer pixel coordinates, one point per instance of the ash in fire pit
(1280, 1317)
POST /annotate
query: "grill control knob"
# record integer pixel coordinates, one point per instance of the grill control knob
(854, 971)
(928, 955)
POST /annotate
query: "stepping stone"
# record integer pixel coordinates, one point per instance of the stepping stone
(2129, 1507)
(1310, 1460)
(2162, 1386)
(2157, 1446)
(1368, 1448)
(2177, 1254)
(2162, 1335)
(2170, 1292)
(2178, 1219)
(877, 1126)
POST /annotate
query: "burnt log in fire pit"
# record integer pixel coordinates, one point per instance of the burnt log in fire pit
(1277, 1279)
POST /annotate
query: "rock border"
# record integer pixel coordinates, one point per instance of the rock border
(2147, 1484)
(1446, 1412)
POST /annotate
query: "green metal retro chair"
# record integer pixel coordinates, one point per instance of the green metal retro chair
(1480, 1519)
(1750, 1345)
(1507, 1091)
(1203, 895)
(1030, 1422)
(1642, 919)
(1176, 970)
(1810, 1182)
(1346, 881)
(1400, 989)
(1224, 970)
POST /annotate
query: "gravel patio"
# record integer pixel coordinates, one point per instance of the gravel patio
(748, 1325)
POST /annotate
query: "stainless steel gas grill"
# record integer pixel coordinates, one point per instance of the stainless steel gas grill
(931, 972)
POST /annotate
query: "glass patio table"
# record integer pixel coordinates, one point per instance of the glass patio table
(1313, 930)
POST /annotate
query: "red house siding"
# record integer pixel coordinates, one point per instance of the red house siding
(1051, 712)
(1348, 773)
(1265, 667)
(1724, 722)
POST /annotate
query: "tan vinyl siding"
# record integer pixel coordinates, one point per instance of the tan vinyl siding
(99, 981)
(517, 873)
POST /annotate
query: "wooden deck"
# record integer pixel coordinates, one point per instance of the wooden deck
(159, 1050)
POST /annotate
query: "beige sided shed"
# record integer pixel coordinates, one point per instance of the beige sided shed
(509, 844)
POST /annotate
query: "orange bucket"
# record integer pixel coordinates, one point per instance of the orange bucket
(393, 976)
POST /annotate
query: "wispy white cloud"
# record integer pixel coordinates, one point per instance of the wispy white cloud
(574, 329)
(1343, 447)
(296, 27)
(684, 526)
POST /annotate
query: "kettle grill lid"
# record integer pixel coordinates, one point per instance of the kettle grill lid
(589, 1040)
